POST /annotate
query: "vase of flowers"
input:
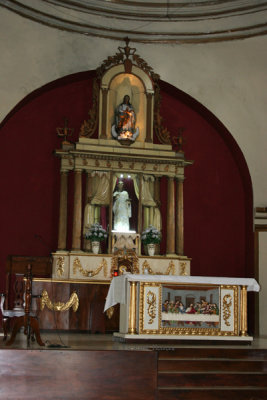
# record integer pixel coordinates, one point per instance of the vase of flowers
(96, 234)
(150, 237)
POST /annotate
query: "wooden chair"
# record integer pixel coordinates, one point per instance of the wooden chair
(22, 317)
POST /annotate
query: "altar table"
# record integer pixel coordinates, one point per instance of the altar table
(178, 307)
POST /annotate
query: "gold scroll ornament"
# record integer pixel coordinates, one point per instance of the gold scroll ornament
(183, 269)
(60, 266)
(227, 303)
(169, 270)
(151, 301)
(88, 273)
(59, 306)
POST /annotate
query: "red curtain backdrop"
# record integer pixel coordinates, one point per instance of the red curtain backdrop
(217, 189)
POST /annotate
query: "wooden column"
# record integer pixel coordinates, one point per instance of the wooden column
(157, 190)
(140, 204)
(110, 217)
(87, 198)
(149, 118)
(170, 245)
(63, 206)
(104, 113)
(180, 217)
(77, 212)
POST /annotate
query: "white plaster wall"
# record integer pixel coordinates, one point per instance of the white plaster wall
(229, 78)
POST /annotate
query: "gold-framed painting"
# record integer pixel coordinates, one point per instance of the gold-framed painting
(188, 309)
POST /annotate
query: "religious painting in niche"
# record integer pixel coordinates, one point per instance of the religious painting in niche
(190, 307)
(127, 109)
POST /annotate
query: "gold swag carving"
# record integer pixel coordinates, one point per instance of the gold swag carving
(89, 273)
(169, 271)
(59, 306)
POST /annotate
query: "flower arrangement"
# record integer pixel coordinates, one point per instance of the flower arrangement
(96, 233)
(151, 235)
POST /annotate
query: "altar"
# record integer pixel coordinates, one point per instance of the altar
(181, 307)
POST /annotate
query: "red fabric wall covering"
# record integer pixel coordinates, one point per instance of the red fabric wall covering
(217, 189)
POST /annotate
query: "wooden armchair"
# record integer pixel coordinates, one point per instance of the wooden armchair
(24, 317)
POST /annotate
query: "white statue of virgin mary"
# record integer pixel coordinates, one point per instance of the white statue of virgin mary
(121, 209)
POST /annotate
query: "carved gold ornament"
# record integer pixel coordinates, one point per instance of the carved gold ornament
(169, 271)
(89, 273)
(110, 312)
(151, 301)
(60, 266)
(227, 303)
(183, 269)
(123, 258)
(89, 127)
(59, 306)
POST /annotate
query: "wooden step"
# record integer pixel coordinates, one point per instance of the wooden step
(211, 379)
(211, 394)
(209, 365)
(224, 353)
(212, 374)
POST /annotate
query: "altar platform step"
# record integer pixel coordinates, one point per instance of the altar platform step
(212, 374)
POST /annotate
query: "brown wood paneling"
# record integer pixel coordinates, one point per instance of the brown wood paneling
(41, 266)
(88, 317)
(79, 375)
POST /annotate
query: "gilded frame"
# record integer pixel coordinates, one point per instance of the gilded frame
(230, 311)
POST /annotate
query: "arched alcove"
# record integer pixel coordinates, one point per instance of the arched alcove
(218, 191)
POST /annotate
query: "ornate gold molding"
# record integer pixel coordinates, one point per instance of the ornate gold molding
(183, 269)
(227, 303)
(60, 266)
(110, 312)
(89, 126)
(89, 273)
(169, 271)
(59, 306)
(151, 301)
(131, 260)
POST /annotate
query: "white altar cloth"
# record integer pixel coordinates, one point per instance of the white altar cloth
(118, 286)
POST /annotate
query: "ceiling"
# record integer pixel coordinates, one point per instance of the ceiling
(150, 21)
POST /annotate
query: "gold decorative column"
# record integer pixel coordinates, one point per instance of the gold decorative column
(132, 309)
(77, 212)
(170, 246)
(63, 206)
(180, 217)
(243, 312)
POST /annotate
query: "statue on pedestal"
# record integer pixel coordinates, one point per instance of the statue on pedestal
(125, 118)
(121, 209)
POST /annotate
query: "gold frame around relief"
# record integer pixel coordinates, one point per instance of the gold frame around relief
(142, 304)
(235, 332)
(185, 331)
